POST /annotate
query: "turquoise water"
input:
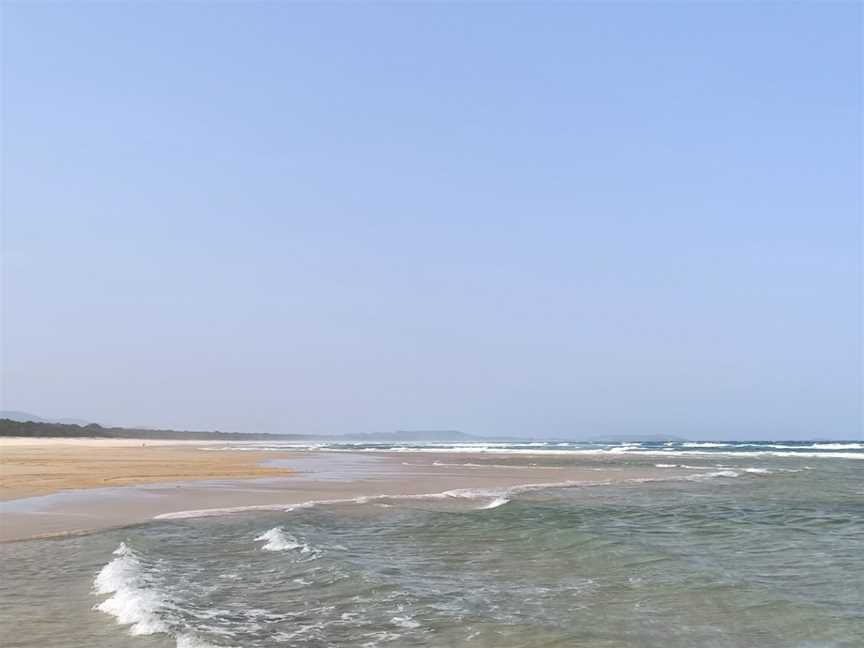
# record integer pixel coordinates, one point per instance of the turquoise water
(765, 553)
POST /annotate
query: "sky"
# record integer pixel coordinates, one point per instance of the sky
(559, 220)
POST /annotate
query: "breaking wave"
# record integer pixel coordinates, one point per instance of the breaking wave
(498, 501)
(277, 539)
(784, 449)
(136, 600)
(133, 601)
(497, 496)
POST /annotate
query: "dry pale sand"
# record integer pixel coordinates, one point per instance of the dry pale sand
(41, 466)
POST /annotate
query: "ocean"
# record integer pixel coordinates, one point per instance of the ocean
(745, 544)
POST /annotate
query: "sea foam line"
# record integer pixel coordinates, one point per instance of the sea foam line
(497, 496)
(444, 464)
(628, 451)
(828, 451)
(467, 493)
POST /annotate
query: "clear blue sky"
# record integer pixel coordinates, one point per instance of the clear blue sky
(507, 219)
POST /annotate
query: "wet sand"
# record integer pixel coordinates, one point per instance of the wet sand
(129, 485)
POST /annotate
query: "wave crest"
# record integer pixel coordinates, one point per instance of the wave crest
(277, 539)
(136, 600)
(498, 501)
(132, 601)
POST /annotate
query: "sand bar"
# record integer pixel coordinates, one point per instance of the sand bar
(70, 486)
(41, 466)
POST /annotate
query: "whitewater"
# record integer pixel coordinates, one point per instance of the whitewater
(716, 546)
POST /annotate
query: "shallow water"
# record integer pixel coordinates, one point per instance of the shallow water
(737, 554)
(661, 449)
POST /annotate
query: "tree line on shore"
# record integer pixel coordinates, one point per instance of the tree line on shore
(10, 428)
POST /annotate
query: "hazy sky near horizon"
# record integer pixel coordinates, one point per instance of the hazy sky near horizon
(516, 219)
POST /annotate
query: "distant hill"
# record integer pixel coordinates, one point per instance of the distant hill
(13, 415)
(22, 416)
(13, 428)
(28, 427)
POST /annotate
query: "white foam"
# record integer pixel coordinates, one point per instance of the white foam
(705, 445)
(758, 471)
(806, 455)
(277, 540)
(625, 450)
(182, 515)
(468, 493)
(839, 446)
(136, 600)
(806, 447)
(828, 450)
(498, 501)
(711, 475)
(132, 602)
(725, 454)
(404, 622)
(191, 641)
(476, 465)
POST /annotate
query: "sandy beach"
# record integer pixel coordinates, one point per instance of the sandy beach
(199, 545)
(41, 466)
(54, 487)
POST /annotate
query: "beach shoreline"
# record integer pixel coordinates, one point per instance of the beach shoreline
(394, 536)
(85, 490)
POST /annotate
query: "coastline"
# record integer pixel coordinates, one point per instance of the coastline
(354, 546)
(219, 481)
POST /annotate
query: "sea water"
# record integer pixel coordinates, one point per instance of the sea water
(742, 551)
